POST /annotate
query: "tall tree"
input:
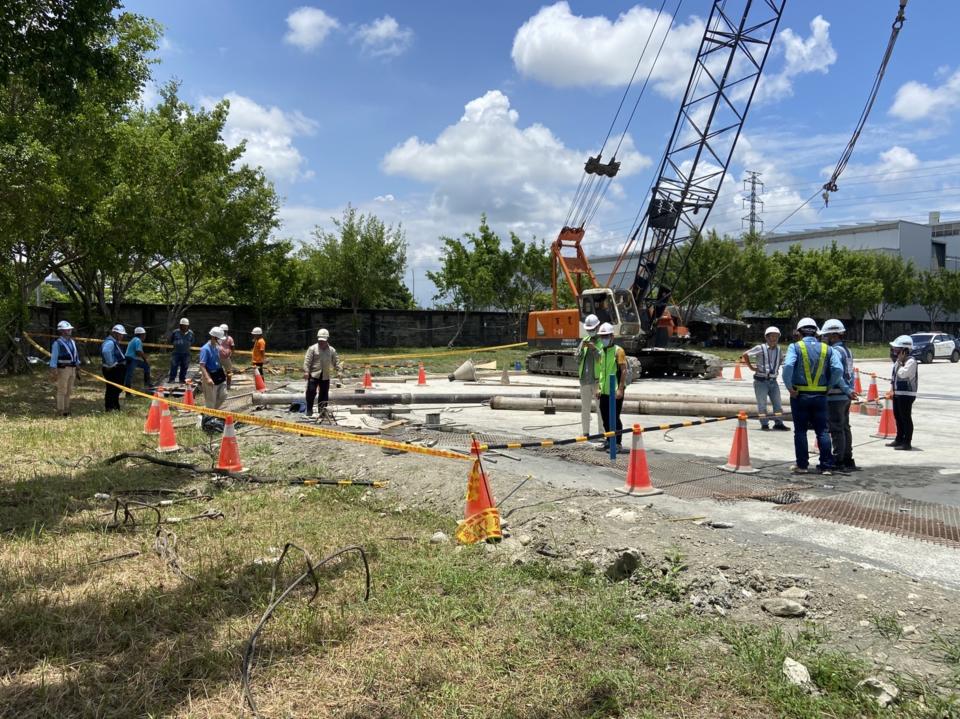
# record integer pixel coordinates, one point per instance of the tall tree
(270, 278)
(898, 282)
(364, 261)
(938, 292)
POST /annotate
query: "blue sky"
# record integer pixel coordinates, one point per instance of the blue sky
(429, 113)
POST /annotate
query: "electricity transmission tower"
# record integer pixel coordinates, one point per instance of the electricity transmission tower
(754, 188)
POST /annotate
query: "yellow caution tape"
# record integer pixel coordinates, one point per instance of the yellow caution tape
(345, 358)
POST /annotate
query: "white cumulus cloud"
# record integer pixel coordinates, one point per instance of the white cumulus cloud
(487, 163)
(269, 133)
(815, 53)
(918, 101)
(560, 48)
(384, 37)
(309, 27)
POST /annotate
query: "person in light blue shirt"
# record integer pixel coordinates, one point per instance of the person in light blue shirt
(113, 366)
(136, 357)
(810, 369)
(214, 379)
(182, 341)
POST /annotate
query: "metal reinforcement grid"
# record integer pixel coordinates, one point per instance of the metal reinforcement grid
(888, 513)
(691, 479)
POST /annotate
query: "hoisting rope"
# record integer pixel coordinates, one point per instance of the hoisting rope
(831, 184)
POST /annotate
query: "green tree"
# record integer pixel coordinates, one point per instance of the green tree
(270, 278)
(938, 292)
(898, 280)
(706, 274)
(802, 281)
(849, 284)
(363, 262)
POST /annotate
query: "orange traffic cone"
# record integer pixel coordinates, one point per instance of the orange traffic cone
(638, 472)
(367, 379)
(258, 382)
(421, 376)
(872, 394)
(229, 449)
(188, 394)
(152, 425)
(739, 459)
(888, 423)
(481, 518)
(168, 440)
(736, 371)
(857, 387)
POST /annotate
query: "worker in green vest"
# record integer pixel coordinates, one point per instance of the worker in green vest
(612, 364)
(589, 355)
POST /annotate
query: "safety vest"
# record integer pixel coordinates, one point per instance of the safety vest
(70, 347)
(846, 359)
(812, 385)
(908, 386)
(607, 367)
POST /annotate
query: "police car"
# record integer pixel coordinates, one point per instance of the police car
(928, 346)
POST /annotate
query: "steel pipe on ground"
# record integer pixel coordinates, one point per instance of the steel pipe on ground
(695, 398)
(678, 409)
(380, 398)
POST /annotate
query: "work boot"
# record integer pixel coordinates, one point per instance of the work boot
(781, 427)
(904, 447)
(764, 428)
(851, 466)
(799, 470)
(825, 471)
(603, 447)
(893, 444)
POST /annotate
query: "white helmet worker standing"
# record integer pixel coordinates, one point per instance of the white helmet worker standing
(589, 355)
(765, 361)
(113, 365)
(320, 364)
(64, 361)
(905, 381)
(840, 397)
(613, 371)
(226, 353)
(212, 374)
(812, 369)
(181, 340)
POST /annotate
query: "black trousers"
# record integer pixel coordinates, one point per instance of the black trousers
(111, 394)
(838, 419)
(323, 385)
(903, 413)
(608, 421)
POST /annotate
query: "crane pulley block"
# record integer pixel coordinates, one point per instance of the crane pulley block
(593, 166)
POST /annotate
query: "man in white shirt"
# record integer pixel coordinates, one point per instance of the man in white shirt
(766, 384)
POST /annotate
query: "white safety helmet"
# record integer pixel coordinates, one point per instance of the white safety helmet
(606, 329)
(224, 327)
(590, 323)
(903, 342)
(63, 325)
(323, 334)
(831, 327)
(807, 323)
(139, 331)
(256, 331)
(184, 321)
(771, 331)
(119, 329)
(216, 332)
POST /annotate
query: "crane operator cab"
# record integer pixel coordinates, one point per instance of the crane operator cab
(617, 307)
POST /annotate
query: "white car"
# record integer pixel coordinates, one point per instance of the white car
(928, 346)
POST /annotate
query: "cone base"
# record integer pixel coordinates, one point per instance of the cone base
(152, 433)
(634, 492)
(174, 448)
(884, 436)
(747, 469)
(236, 470)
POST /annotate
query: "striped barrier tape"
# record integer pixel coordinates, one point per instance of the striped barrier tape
(346, 358)
(314, 431)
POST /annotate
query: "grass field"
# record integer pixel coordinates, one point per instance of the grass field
(94, 623)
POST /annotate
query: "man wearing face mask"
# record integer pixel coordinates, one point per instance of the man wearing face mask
(589, 354)
(613, 363)
(905, 381)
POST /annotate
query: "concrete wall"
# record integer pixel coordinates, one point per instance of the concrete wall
(298, 328)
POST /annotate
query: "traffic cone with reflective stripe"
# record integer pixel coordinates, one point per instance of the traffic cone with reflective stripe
(421, 376)
(872, 394)
(888, 423)
(481, 518)
(168, 439)
(152, 425)
(857, 387)
(258, 382)
(739, 459)
(736, 371)
(367, 379)
(229, 459)
(638, 471)
(188, 394)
